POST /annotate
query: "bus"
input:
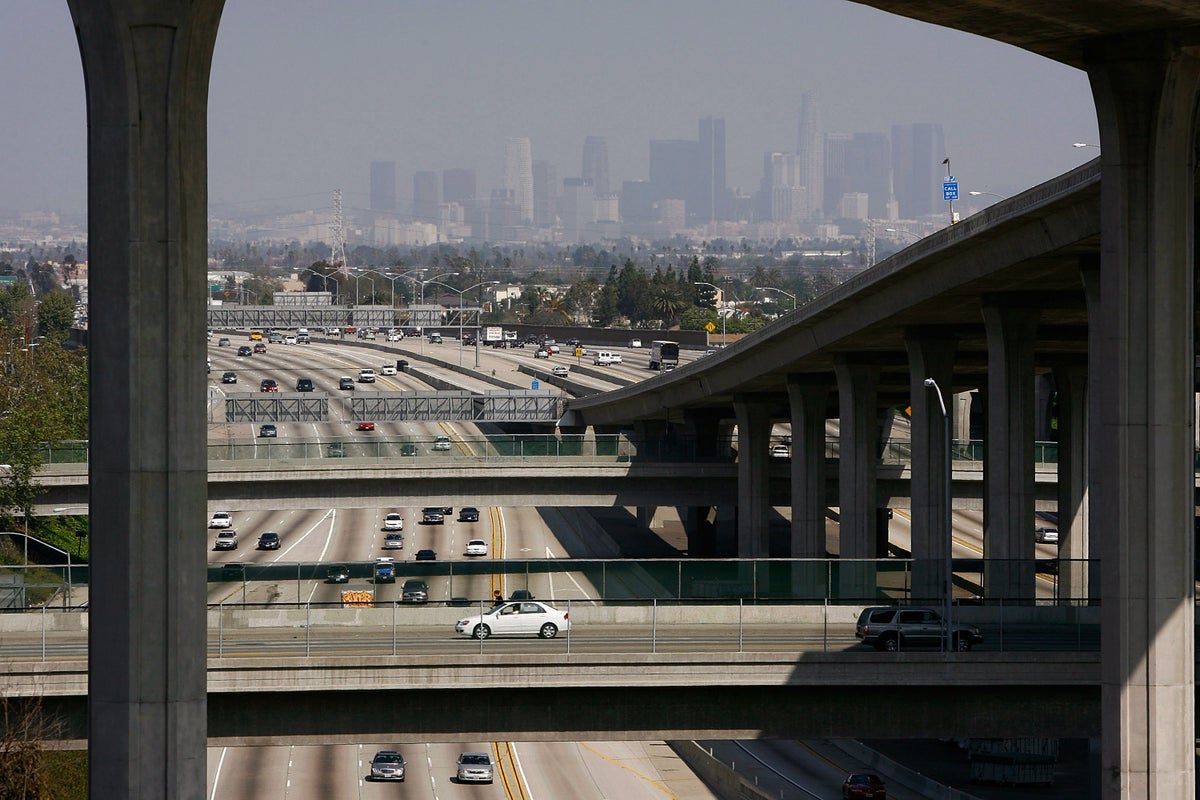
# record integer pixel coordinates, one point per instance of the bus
(664, 355)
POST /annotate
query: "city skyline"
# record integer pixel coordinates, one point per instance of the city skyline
(447, 96)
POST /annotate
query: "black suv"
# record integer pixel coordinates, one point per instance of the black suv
(892, 628)
(468, 514)
(304, 385)
(268, 541)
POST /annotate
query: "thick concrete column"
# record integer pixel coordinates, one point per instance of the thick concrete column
(808, 399)
(1073, 543)
(858, 466)
(930, 355)
(1146, 91)
(1008, 452)
(147, 70)
(754, 504)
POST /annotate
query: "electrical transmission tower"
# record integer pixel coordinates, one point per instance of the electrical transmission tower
(338, 257)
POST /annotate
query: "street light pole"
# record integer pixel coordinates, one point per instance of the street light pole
(781, 291)
(932, 384)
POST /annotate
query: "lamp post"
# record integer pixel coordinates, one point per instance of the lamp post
(722, 316)
(461, 293)
(992, 194)
(903, 232)
(781, 291)
(930, 383)
(1084, 144)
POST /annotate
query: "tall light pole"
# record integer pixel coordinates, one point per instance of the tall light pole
(722, 316)
(461, 294)
(781, 291)
(903, 232)
(992, 194)
(930, 383)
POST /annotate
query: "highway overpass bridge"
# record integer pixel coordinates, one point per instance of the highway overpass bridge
(1127, 483)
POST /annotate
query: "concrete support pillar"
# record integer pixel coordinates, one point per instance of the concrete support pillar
(930, 355)
(1008, 458)
(857, 384)
(1073, 545)
(146, 67)
(754, 504)
(702, 427)
(1142, 489)
(808, 399)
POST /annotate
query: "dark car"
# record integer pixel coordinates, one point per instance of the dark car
(260, 348)
(387, 765)
(304, 385)
(433, 516)
(408, 449)
(229, 377)
(895, 627)
(346, 384)
(233, 571)
(863, 784)
(267, 431)
(337, 573)
(268, 385)
(521, 594)
(468, 514)
(426, 555)
(245, 350)
(414, 590)
(268, 541)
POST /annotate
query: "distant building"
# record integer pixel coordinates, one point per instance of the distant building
(518, 175)
(545, 194)
(458, 186)
(578, 209)
(425, 196)
(383, 185)
(595, 164)
(858, 163)
(810, 151)
(710, 199)
(917, 154)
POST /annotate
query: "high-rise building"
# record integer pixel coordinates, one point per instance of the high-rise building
(383, 185)
(810, 150)
(858, 164)
(782, 197)
(518, 174)
(837, 154)
(917, 154)
(425, 196)
(595, 164)
(672, 168)
(709, 201)
(458, 186)
(578, 210)
(545, 194)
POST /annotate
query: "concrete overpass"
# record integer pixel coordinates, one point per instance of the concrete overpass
(147, 66)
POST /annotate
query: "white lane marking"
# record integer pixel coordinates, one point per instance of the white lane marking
(742, 747)
(217, 774)
(520, 770)
(332, 516)
(582, 592)
(304, 536)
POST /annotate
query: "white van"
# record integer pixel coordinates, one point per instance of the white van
(602, 358)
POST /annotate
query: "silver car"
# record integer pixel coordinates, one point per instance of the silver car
(387, 765)
(474, 768)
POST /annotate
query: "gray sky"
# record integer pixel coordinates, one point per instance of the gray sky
(305, 94)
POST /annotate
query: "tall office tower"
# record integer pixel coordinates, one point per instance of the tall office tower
(425, 196)
(810, 149)
(595, 163)
(782, 198)
(518, 174)
(458, 186)
(710, 197)
(637, 202)
(578, 210)
(837, 151)
(383, 185)
(869, 167)
(545, 194)
(672, 168)
(917, 154)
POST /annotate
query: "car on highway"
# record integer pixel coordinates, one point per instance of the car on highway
(614, 358)
(394, 336)
(290, 340)
(268, 385)
(268, 541)
(336, 450)
(432, 515)
(226, 540)
(520, 618)
(229, 377)
(476, 547)
(894, 628)
(305, 385)
(408, 449)
(260, 348)
(387, 765)
(441, 443)
(474, 768)
(220, 519)
(560, 371)
(414, 590)
(303, 338)
(780, 451)
(1046, 535)
(366, 376)
(387, 369)
(233, 571)
(224, 342)
(635, 343)
(541, 352)
(393, 522)
(267, 431)
(863, 785)
(426, 555)
(385, 569)
(346, 383)
(393, 541)
(245, 350)
(468, 514)
(521, 594)
(337, 573)
(435, 338)
(365, 426)
(275, 337)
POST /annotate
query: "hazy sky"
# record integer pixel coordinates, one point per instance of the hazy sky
(305, 94)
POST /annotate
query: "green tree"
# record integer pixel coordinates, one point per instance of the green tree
(56, 315)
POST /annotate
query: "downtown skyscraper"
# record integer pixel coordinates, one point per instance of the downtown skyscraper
(810, 150)
(518, 175)
(595, 164)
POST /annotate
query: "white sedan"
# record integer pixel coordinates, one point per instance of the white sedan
(221, 519)
(520, 618)
(393, 522)
(387, 369)
(476, 547)
(560, 371)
